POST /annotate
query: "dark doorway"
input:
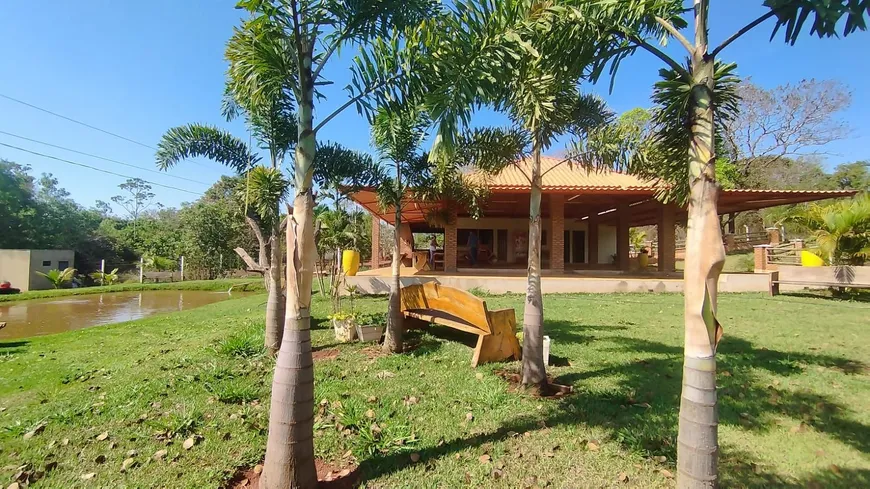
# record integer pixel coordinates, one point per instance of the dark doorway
(578, 246)
(501, 245)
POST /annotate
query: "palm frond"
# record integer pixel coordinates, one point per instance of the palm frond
(201, 140)
(266, 188)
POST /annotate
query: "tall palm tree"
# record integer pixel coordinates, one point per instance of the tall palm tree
(690, 100)
(266, 188)
(308, 34)
(397, 134)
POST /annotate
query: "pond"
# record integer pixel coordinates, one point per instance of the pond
(47, 316)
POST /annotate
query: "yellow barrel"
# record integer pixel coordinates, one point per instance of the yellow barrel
(810, 259)
(350, 262)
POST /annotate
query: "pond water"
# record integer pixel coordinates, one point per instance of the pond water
(47, 316)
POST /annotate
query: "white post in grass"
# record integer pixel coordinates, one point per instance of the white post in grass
(102, 271)
(182, 268)
(141, 269)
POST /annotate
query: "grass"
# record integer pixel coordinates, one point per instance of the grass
(250, 284)
(793, 397)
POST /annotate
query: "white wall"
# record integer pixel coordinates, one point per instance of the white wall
(606, 244)
(15, 268)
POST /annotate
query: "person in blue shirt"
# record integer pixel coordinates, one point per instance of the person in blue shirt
(472, 247)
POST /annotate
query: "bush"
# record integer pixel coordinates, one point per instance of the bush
(244, 344)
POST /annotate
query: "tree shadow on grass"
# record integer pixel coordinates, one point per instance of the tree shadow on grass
(640, 410)
(9, 347)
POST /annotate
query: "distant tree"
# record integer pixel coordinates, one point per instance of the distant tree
(17, 205)
(140, 199)
(787, 121)
(852, 176)
(103, 208)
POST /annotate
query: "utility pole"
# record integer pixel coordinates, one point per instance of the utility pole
(102, 271)
(182, 268)
(141, 269)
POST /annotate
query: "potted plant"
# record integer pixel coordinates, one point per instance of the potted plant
(643, 257)
(370, 327)
(344, 325)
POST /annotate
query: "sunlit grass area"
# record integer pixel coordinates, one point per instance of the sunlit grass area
(793, 384)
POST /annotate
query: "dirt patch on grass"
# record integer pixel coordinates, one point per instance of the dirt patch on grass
(329, 354)
(552, 390)
(373, 352)
(329, 477)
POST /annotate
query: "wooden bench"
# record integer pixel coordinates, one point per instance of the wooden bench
(158, 276)
(496, 330)
(775, 282)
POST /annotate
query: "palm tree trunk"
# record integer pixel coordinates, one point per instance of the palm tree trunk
(697, 441)
(393, 339)
(534, 370)
(274, 302)
(290, 447)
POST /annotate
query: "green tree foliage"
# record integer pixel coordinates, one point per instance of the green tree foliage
(840, 229)
(852, 176)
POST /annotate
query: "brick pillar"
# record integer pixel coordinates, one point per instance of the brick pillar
(760, 258)
(557, 229)
(450, 237)
(798, 244)
(592, 241)
(773, 236)
(376, 242)
(622, 258)
(667, 241)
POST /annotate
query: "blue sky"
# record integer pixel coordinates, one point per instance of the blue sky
(139, 68)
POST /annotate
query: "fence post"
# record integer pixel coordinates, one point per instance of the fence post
(182, 268)
(141, 269)
(102, 271)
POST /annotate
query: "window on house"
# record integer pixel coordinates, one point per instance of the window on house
(46, 263)
(63, 265)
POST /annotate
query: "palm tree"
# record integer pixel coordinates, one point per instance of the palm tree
(398, 134)
(105, 278)
(306, 35)
(265, 189)
(59, 278)
(690, 100)
(841, 229)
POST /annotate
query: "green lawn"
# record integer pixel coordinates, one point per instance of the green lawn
(250, 284)
(793, 399)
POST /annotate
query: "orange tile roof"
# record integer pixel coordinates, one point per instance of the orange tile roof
(558, 175)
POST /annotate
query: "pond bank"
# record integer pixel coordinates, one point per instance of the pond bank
(253, 284)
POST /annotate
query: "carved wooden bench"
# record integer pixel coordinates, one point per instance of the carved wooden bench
(496, 330)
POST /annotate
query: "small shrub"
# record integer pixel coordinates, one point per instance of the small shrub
(244, 344)
(478, 291)
(182, 422)
(232, 391)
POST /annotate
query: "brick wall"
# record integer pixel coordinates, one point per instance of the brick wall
(450, 237)
(557, 227)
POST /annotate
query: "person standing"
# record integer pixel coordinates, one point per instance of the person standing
(472, 247)
(433, 246)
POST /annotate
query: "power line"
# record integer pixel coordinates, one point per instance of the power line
(110, 133)
(77, 122)
(102, 158)
(97, 169)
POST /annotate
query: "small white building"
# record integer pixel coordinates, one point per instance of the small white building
(19, 267)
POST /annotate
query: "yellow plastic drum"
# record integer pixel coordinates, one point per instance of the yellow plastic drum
(811, 260)
(350, 262)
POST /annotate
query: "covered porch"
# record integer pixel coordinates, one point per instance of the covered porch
(586, 219)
